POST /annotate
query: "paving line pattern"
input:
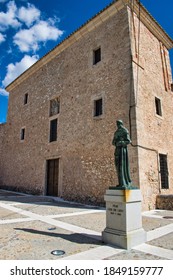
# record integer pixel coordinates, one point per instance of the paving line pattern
(75, 213)
(13, 221)
(159, 232)
(152, 214)
(66, 226)
(154, 250)
(100, 252)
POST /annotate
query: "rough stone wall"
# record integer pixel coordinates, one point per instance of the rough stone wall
(84, 144)
(164, 202)
(154, 132)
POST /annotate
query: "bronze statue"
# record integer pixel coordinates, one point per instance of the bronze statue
(120, 141)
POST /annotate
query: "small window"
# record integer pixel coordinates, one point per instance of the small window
(22, 134)
(53, 130)
(54, 107)
(26, 98)
(97, 56)
(164, 175)
(172, 87)
(158, 106)
(98, 107)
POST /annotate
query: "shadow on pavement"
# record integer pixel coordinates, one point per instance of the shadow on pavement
(73, 237)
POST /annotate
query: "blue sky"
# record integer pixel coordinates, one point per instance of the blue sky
(29, 29)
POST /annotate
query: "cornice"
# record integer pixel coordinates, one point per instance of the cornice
(92, 24)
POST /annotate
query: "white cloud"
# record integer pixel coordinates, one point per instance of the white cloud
(25, 40)
(14, 70)
(9, 18)
(29, 39)
(2, 38)
(38, 31)
(3, 92)
(29, 15)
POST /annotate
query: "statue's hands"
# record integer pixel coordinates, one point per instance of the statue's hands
(121, 144)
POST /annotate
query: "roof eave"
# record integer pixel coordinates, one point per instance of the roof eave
(98, 19)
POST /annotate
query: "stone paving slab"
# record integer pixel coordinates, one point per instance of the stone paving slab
(49, 224)
(165, 241)
(7, 214)
(34, 240)
(94, 221)
(49, 208)
(134, 255)
(151, 223)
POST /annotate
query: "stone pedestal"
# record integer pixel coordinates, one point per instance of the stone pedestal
(123, 218)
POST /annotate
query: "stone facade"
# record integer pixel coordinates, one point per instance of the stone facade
(154, 131)
(84, 141)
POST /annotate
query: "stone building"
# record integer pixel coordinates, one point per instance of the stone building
(63, 110)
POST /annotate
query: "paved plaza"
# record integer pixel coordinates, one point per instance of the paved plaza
(32, 227)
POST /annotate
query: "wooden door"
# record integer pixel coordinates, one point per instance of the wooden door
(52, 177)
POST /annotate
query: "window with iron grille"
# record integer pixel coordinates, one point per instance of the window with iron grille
(164, 175)
(158, 106)
(53, 130)
(96, 56)
(98, 107)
